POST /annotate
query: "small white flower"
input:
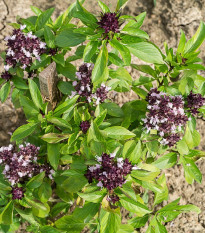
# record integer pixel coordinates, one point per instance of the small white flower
(92, 168)
(1, 161)
(24, 66)
(164, 141)
(100, 184)
(161, 133)
(98, 101)
(73, 93)
(181, 111)
(88, 87)
(7, 168)
(97, 166)
(112, 155)
(13, 37)
(78, 74)
(74, 83)
(149, 106)
(135, 167)
(99, 159)
(22, 27)
(7, 67)
(29, 35)
(7, 38)
(89, 99)
(50, 176)
(105, 174)
(42, 45)
(20, 174)
(189, 118)
(170, 105)
(188, 164)
(82, 88)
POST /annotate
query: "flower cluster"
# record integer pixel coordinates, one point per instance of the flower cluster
(17, 193)
(21, 165)
(166, 115)
(22, 49)
(84, 87)
(194, 102)
(109, 22)
(110, 172)
(85, 125)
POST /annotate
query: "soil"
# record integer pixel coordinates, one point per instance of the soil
(163, 23)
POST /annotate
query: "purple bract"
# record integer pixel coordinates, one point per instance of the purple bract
(194, 102)
(109, 22)
(85, 125)
(17, 193)
(166, 115)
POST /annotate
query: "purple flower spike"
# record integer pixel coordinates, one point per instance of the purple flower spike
(166, 115)
(6, 76)
(110, 173)
(17, 193)
(194, 102)
(85, 125)
(109, 22)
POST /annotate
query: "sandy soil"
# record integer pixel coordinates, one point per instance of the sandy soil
(163, 23)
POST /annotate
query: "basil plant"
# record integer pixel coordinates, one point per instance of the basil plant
(86, 162)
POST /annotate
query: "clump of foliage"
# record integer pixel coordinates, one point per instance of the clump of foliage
(79, 164)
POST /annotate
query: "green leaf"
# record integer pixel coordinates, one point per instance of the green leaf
(65, 106)
(36, 10)
(65, 87)
(70, 224)
(95, 197)
(53, 154)
(86, 213)
(74, 184)
(28, 105)
(68, 70)
(6, 216)
(113, 109)
(182, 43)
(20, 83)
(100, 70)
(161, 196)
(49, 229)
(132, 151)
(138, 222)
(104, 7)
(121, 74)
(146, 52)
(195, 42)
(36, 181)
(49, 37)
(118, 132)
(86, 17)
(114, 59)
(139, 91)
(121, 4)
(4, 92)
(44, 192)
(192, 138)
(23, 131)
(35, 94)
(136, 32)
(59, 58)
(182, 147)
(146, 172)
(27, 215)
(90, 50)
(109, 222)
(134, 206)
(145, 69)
(54, 137)
(124, 51)
(69, 38)
(166, 161)
(59, 122)
(191, 170)
(94, 133)
(43, 18)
